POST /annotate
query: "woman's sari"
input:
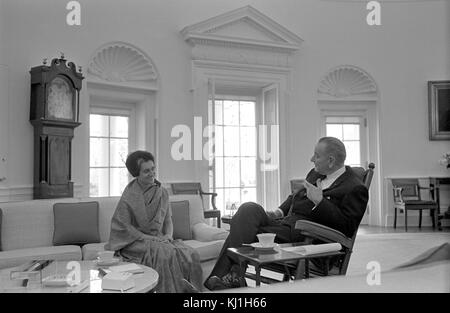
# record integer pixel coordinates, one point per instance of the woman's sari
(140, 215)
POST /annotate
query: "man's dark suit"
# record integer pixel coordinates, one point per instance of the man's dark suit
(342, 208)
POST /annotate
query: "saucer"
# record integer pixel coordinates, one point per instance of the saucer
(258, 246)
(113, 261)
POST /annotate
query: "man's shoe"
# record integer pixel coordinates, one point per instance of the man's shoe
(215, 283)
(234, 281)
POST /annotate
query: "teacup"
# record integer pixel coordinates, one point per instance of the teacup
(266, 239)
(105, 256)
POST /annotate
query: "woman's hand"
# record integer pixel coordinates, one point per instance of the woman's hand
(166, 238)
(163, 238)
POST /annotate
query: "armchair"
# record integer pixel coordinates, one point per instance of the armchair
(196, 188)
(315, 232)
(407, 197)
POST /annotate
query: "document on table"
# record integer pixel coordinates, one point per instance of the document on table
(314, 249)
(130, 268)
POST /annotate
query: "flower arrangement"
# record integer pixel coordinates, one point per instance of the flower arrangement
(445, 161)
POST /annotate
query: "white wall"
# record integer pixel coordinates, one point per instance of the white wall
(410, 47)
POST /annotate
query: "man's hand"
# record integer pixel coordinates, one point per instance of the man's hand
(313, 193)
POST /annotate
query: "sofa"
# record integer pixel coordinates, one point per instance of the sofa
(27, 231)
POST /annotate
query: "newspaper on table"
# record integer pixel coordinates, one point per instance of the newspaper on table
(314, 249)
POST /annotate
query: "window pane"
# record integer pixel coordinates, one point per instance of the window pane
(231, 140)
(218, 112)
(334, 130)
(98, 125)
(231, 170)
(351, 132)
(248, 141)
(248, 169)
(99, 152)
(247, 114)
(98, 178)
(353, 153)
(119, 126)
(231, 112)
(119, 152)
(248, 195)
(219, 172)
(232, 196)
(218, 140)
(220, 204)
(118, 181)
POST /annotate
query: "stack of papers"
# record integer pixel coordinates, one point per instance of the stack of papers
(132, 268)
(118, 281)
(314, 249)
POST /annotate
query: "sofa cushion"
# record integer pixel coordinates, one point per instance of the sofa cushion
(90, 250)
(17, 257)
(195, 207)
(207, 250)
(75, 223)
(28, 224)
(107, 207)
(181, 220)
(204, 232)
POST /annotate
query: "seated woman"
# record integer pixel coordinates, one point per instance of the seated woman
(142, 229)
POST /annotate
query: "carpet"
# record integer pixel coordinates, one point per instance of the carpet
(409, 262)
(391, 250)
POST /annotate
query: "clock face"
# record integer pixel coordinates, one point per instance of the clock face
(59, 100)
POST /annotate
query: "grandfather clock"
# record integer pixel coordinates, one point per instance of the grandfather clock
(54, 113)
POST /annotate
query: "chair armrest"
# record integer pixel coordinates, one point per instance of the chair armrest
(209, 193)
(323, 233)
(204, 232)
(211, 214)
(213, 198)
(398, 198)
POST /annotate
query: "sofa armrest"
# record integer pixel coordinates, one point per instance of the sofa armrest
(322, 232)
(204, 232)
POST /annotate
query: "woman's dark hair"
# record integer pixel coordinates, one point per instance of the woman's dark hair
(135, 159)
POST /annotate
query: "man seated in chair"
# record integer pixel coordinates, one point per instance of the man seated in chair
(332, 196)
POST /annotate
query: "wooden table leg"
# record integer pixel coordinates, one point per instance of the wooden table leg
(243, 269)
(258, 275)
(306, 268)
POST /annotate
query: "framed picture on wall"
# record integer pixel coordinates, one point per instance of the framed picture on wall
(439, 109)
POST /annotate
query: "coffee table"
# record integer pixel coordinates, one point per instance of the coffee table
(258, 258)
(144, 282)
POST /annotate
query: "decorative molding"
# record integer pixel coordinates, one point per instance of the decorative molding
(346, 81)
(243, 36)
(118, 63)
(23, 193)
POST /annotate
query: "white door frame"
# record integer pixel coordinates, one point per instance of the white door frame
(244, 76)
(367, 108)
